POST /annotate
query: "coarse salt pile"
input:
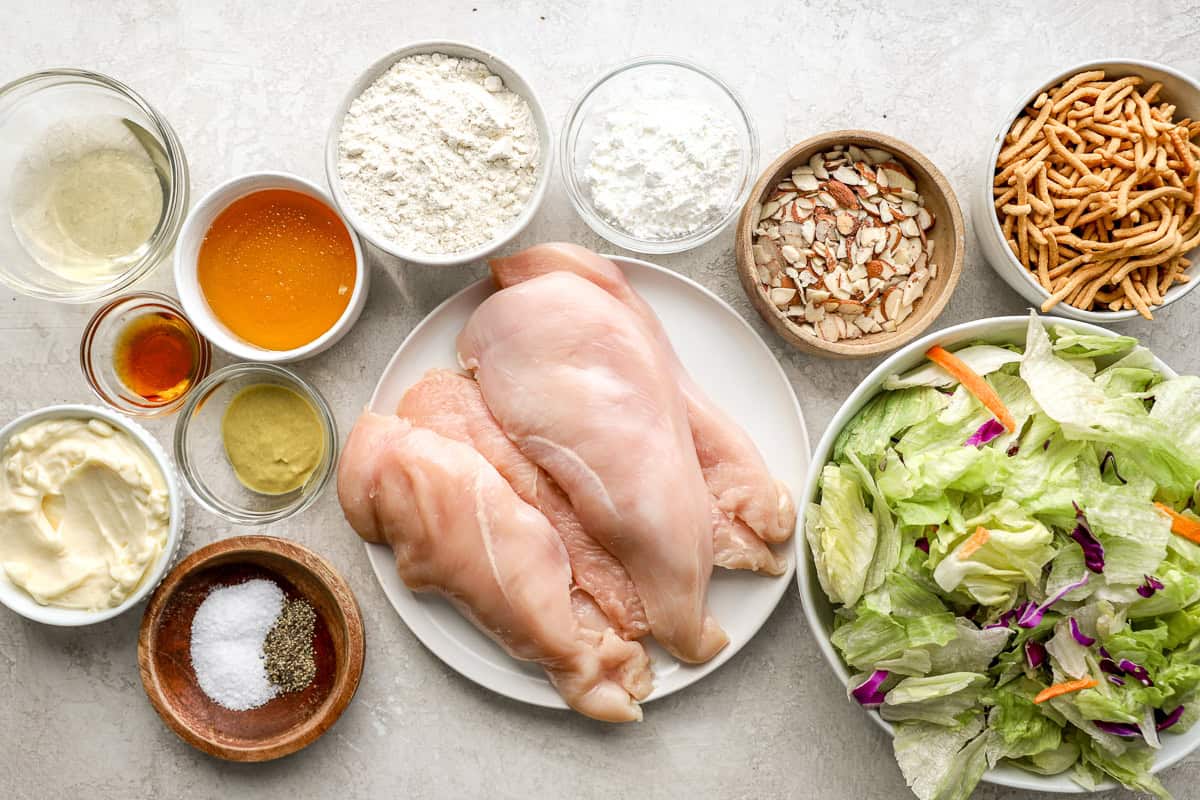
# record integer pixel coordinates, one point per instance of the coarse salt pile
(228, 633)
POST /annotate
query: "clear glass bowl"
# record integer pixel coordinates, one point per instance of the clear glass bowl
(97, 351)
(652, 77)
(200, 450)
(44, 118)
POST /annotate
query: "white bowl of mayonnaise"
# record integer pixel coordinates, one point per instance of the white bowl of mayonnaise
(91, 514)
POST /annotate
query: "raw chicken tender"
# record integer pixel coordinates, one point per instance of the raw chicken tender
(458, 528)
(734, 470)
(574, 379)
(451, 404)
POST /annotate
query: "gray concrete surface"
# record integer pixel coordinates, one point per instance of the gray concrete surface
(252, 86)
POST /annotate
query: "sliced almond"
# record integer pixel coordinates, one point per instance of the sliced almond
(806, 183)
(817, 164)
(847, 175)
(841, 192)
(782, 297)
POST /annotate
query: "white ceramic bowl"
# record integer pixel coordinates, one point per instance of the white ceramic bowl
(1178, 88)
(817, 608)
(512, 81)
(187, 283)
(20, 601)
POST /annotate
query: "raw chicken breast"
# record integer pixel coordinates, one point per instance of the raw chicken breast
(457, 527)
(574, 380)
(735, 546)
(451, 404)
(734, 470)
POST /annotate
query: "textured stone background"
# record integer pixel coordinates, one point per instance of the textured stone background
(252, 86)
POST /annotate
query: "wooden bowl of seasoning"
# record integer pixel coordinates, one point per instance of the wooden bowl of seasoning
(251, 648)
(850, 245)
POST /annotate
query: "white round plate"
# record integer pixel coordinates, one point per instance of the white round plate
(728, 359)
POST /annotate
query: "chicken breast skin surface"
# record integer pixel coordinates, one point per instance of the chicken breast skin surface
(458, 528)
(451, 404)
(733, 468)
(576, 383)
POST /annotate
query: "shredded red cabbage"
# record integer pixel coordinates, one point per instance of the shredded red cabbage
(1136, 671)
(987, 431)
(1031, 615)
(1115, 681)
(1035, 654)
(1006, 619)
(1093, 551)
(1083, 639)
(1118, 728)
(1151, 586)
(922, 544)
(867, 693)
(1164, 721)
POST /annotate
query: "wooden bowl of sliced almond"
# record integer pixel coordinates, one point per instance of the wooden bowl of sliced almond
(850, 244)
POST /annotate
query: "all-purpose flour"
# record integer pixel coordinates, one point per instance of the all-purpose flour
(662, 168)
(437, 156)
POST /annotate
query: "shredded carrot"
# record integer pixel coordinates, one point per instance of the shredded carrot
(974, 384)
(978, 539)
(1183, 526)
(1066, 687)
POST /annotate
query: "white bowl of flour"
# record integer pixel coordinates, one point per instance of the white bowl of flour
(439, 154)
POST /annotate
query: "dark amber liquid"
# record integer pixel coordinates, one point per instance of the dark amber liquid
(156, 357)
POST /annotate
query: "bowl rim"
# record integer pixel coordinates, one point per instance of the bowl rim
(163, 239)
(990, 226)
(489, 59)
(811, 592)
(196, 305)
(603, 228)
(198, 396)
(148, 410)
(19, 601)
(349, 668)
(871, 344)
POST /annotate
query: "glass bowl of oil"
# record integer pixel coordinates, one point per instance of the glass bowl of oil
(142, 356)
(93, 186)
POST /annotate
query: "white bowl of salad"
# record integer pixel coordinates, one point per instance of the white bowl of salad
(1001, 562)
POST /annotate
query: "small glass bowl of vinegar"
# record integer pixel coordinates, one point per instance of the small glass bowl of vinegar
(142, 356)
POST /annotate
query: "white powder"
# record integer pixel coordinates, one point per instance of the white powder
(228, 633)
(663, 168)
(437, 156)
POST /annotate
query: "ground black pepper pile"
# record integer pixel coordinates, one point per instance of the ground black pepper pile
(290, 661)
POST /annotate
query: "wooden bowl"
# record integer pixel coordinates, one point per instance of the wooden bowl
(947, 233)
(288, 722)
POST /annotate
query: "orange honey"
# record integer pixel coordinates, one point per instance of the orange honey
(277, 268)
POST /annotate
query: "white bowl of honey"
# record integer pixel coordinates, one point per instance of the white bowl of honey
(269, 270)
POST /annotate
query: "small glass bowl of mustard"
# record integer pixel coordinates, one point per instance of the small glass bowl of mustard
(255, 443)
(142, 356)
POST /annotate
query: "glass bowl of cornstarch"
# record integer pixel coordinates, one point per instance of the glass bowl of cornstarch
(658, 155)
